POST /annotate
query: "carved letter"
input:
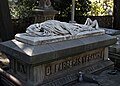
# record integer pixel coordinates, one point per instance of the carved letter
(48, 70)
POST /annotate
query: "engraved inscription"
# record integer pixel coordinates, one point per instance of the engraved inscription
(48, 70)
(21, 68)
(72, 77)
(78, 60)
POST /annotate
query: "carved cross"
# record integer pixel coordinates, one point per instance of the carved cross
(73, 12)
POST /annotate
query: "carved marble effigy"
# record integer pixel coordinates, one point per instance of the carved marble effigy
(52, 53)
(55, 31)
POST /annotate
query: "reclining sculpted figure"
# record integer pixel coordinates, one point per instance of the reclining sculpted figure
(54, 27)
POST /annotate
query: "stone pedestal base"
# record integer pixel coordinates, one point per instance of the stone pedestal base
(43, 15)
(57, 63)
(65, 79)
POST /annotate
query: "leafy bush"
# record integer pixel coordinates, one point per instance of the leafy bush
(64, 8)
(21, 8)
(101, 8)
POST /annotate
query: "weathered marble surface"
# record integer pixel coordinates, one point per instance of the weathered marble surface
(55, 59)
(112, 32)
(56, 64)
(55, 31)
(56, 28)
(31, 53)
(44, 40)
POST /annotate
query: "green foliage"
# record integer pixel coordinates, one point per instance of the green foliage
(21, 9)
(108, 7)
(82, 7)
(64, 8)
(96, 9)
(101, 8)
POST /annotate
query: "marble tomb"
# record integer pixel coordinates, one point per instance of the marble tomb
(53, 53)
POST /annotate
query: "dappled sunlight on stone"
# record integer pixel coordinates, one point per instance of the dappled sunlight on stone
(28, 50)
(23, 47)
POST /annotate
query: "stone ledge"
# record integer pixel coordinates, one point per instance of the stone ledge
(23, 37)
(45, 53)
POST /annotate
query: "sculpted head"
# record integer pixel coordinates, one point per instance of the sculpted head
(33, 28)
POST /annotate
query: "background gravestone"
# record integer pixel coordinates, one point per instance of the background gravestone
(44, 11)
(6, 29)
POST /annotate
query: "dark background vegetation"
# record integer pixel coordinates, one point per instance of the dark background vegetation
(21, 13)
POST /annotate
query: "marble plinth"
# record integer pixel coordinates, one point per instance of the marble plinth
(57, 63)
(50, 39)
(43, 15)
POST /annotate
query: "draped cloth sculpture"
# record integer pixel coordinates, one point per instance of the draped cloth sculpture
(54, 27)
(55, 31)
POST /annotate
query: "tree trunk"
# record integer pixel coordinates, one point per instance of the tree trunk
(116, 14)
(6, 29)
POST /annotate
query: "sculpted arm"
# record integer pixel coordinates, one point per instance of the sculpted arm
(90, 23)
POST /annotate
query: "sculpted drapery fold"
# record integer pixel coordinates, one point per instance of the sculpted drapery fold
(54, 27)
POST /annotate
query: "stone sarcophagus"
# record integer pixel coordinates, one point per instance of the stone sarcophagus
(55, 60)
